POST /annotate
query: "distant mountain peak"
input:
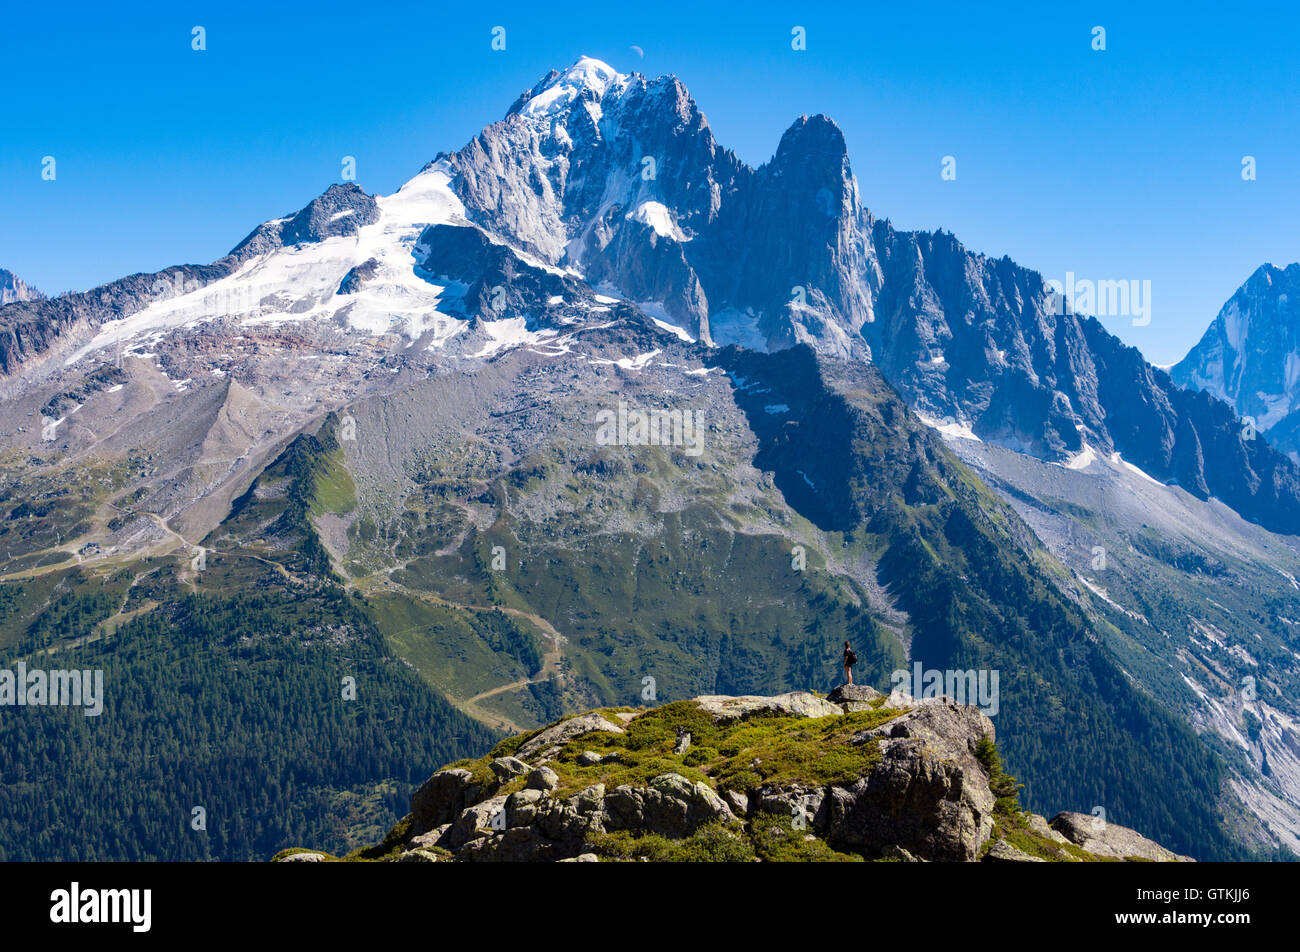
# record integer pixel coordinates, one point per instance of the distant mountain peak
(1249, 356)
(13, 288)
(556, 92)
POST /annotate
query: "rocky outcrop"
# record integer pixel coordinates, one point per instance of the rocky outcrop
(922, 794)
(929, 795)
(724, 710)
(1110, 841)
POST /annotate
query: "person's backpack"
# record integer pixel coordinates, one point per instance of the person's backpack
(850, 658)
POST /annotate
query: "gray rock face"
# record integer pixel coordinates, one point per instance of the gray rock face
(356, 277)
(929, 795)
(802, 804)
(507, 768)
(1106, 839)
(543, 778)
(854, 697)
(340, 210)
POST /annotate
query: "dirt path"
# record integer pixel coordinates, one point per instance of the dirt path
(551, 655)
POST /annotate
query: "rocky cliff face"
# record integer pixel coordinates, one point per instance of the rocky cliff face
(1249, 357)
(793, 777)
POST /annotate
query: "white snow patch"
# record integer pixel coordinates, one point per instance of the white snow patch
(659, 218)
(673, 328)
(949, 428)
(1083, 459)
(510, 332)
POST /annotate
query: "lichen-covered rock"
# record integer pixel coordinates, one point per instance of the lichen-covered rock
(671, 806)
(1040, 826)
(476, 821)
(546, 744)
(543, 778)
(507, 768)
(806, 807)
(854, 697)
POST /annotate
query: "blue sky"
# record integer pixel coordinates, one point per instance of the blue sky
(1116, 165)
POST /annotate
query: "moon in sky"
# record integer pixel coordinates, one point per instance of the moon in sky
(639, 52)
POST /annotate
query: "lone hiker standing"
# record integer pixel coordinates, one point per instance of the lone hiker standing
(850, 659)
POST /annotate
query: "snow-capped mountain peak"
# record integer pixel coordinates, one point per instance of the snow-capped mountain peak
(587, 79)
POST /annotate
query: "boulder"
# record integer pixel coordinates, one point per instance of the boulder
(795, 802)
(507, 768)
(724, 710)
(671, 806)
(475, 821)
(442, 798)
(548, 743)
(1111, 840)
(929, 794)
(854, 697)
(303, 858)
(1003, 852)
(1040, 826)
(739, 802)
(542, 778)
(431, 838)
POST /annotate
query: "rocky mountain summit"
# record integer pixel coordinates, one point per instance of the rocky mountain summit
(1249, 356)
(13, 288)
(792, 777)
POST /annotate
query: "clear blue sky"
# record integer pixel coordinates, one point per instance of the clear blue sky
(1123, 164)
